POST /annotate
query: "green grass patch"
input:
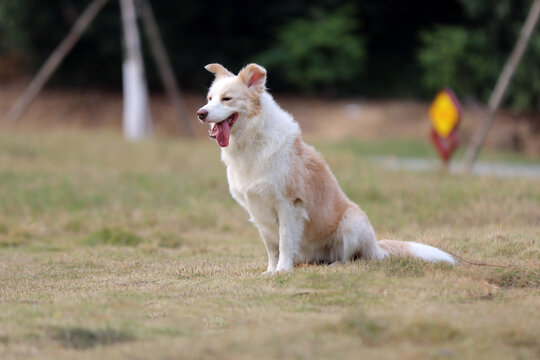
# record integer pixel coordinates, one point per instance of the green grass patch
(400, 267)
(521, 337)
(170, 240)
(371, 331)
(429, 332)
(113, 236)
(515, 278)
(4, 229)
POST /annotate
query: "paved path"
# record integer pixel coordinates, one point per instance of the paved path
(480, 168)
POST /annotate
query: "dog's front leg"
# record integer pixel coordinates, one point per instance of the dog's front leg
(271, 242)
(291, 227)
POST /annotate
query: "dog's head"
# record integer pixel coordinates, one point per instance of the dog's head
(232, 100)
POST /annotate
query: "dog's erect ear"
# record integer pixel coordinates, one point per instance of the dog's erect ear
(254, 76)
(218, 70)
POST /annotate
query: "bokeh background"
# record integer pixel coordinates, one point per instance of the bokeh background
(395, 54)
(385, 48)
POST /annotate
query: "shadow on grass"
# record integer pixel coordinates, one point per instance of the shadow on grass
(80, 338)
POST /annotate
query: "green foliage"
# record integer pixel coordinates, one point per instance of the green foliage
(12, 33)
(319, 52)
(524, 92)
(468, 58)
(454, 58)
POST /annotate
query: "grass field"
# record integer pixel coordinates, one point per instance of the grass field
(113, 250)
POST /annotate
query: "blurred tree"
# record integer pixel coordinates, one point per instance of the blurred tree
(34, 28)
(453, 56)
(373, 48)
(227, 31)
(319, 53)
(469, 57)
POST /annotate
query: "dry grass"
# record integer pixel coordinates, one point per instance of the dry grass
(113, 250)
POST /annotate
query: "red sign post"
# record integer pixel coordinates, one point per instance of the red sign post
(445, 113)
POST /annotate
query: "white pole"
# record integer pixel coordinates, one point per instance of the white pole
(137, 123)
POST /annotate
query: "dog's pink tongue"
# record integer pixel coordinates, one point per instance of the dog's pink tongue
(223, 133)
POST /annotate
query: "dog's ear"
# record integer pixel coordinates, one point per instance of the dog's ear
(218, 70)
(254, 76)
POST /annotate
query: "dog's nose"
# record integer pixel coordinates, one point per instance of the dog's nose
(202, 114)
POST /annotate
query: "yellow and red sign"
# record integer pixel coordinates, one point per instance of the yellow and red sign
(444, 113)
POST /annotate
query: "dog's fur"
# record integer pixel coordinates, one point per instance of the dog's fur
(293, 199)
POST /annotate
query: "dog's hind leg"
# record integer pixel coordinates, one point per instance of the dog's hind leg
(358, 236)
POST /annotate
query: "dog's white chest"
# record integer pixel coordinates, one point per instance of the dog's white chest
(257, 192)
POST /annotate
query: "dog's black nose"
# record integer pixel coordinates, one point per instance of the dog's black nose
(202, 114)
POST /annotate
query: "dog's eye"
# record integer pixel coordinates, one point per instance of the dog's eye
(226, 98)
(209, 98)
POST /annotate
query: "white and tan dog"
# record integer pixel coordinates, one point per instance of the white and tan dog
(294, 200)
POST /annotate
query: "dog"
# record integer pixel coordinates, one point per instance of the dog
(287, 188)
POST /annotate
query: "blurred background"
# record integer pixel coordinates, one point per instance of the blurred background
(344, 68)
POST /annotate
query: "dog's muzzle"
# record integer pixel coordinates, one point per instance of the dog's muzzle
(202, 114)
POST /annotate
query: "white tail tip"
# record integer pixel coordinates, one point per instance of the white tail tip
(429, 253)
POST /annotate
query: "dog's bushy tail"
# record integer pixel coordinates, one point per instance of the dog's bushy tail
(416, 250)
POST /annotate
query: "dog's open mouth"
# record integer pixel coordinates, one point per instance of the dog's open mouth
(221, 131)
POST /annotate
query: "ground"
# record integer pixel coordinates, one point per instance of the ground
(112, 250)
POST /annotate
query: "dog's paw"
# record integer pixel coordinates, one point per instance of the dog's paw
(336, 263)
(282, 271)
(284, 267)
(268, 273)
